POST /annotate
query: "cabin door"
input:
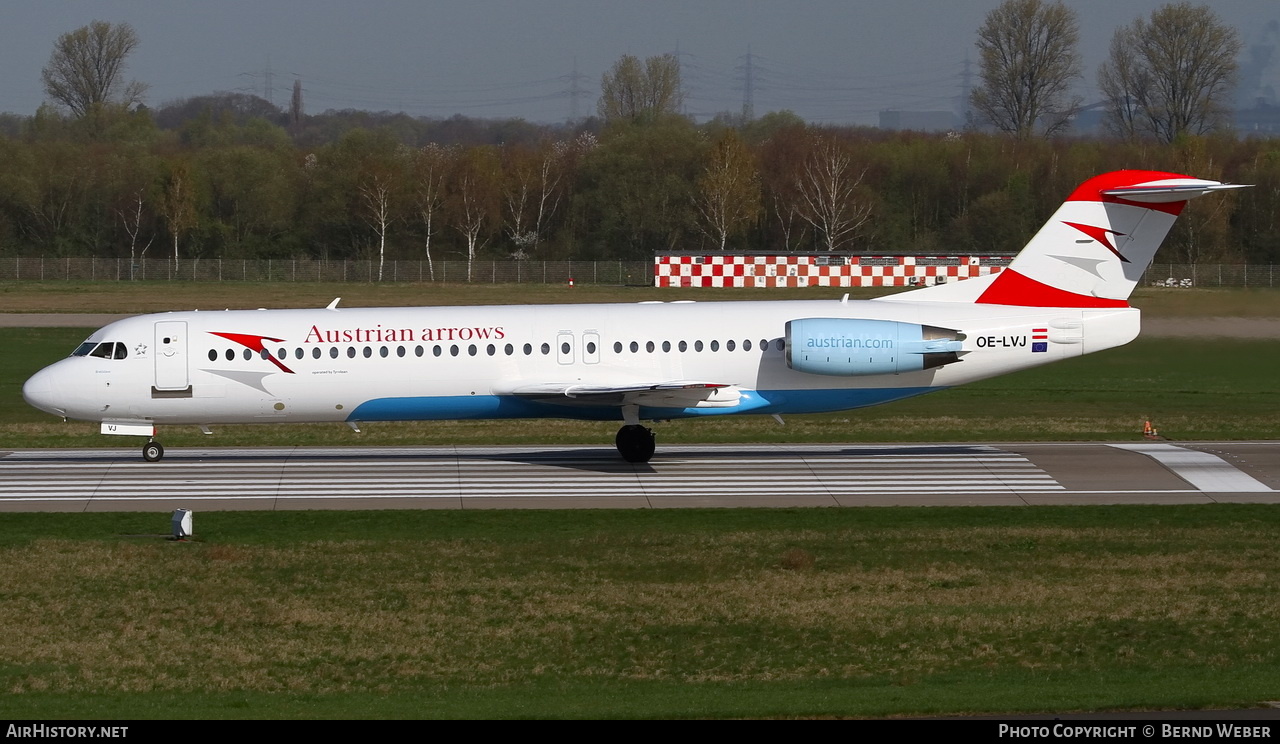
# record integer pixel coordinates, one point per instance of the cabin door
(171, 355)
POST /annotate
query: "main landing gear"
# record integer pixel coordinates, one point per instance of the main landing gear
(152, 451)
(635, 443)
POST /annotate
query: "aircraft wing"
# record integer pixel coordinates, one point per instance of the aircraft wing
(669, 394)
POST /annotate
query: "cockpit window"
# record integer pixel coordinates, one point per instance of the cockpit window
(84, 348)
(105, 350)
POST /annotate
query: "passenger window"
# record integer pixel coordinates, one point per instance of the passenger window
(297, 353)
(231, 355)
(764, 344)
(248, 354)
(591, 347)
(649, 347)
(564, 348)
(634, 347)
(399, 351)
(683, 346)
(746, 345)
(351, 352)
(382, 352)
(528, 349)
(453, 350)
(697, 346)
(333, 352)
(546, 348)
(666, 346)
(617, 347)
(282, 353)
(315, 353)
(491, 349)
(715, 346)
(729, 345)
(417, 351)
(510, 349)
(213, 355)
(471, 349)
(436, 350)
(368, 352)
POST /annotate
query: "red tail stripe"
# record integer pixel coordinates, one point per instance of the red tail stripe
(1092, 189)
(1012, 288)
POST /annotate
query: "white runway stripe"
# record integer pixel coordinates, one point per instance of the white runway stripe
(1203, 470)
(805, 472)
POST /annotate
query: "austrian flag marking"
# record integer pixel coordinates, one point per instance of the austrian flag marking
(1039, 340)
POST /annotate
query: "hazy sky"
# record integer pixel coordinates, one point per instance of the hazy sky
(832, 61)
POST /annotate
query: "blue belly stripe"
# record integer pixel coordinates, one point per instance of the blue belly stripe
(450, 407)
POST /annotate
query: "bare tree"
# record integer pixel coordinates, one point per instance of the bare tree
(782, 158)
(86, 69)
(828, 188)
(474, 199)
(728, 196)
(1172, 75)
(1028, 62)
(131, 217)
(430, 167)
(631, 90)
(179, 204)
(530, 192)
(375, 198)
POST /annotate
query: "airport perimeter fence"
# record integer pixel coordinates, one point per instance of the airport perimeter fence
(612, 273)
(617, 273)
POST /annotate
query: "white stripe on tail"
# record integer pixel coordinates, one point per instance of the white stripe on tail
(1093, 250)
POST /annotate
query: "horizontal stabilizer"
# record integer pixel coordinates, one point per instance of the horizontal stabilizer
(1172, 190)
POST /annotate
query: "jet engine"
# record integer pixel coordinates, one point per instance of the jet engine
(847, 347)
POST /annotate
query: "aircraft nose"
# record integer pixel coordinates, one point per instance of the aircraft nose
(40, 391)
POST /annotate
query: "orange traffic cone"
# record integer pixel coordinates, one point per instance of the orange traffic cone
(1149, 431)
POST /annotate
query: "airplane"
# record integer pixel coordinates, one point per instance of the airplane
(1065, 294)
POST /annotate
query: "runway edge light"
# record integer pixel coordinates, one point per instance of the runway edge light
(182, 524)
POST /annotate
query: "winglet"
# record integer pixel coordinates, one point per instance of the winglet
(333, 305)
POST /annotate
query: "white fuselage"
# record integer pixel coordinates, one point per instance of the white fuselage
(379, 364)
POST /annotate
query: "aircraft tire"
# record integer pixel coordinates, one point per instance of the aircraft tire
(152, 451)
(635, 443)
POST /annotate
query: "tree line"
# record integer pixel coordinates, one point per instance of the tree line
(776, 184)
(231, 176)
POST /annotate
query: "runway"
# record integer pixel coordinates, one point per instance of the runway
(800, 475)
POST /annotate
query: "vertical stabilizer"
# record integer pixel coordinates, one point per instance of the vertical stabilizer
(1093, 250)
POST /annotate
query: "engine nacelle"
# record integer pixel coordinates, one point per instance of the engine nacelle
(847, 347)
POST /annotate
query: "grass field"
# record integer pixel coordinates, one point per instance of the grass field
(735, 613)
(661, 614)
